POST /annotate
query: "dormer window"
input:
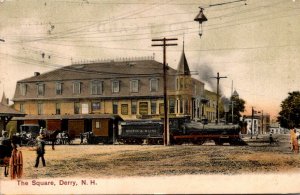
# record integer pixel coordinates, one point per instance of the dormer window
(76, 87)
(40, 89)
(153, 85)
(23, 89)
(134, 86)
(96, 87)
(115, 86)
(58, 88)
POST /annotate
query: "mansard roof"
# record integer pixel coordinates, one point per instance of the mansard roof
(183, 67)
(112, 69)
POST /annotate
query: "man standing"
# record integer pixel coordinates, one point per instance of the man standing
(40, 151)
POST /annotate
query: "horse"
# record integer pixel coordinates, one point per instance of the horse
(51, 136)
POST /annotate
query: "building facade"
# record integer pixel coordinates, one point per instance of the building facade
(131, 89)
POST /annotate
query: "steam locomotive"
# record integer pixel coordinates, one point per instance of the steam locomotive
(182, 130)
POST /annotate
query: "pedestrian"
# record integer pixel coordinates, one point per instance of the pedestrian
(295, 142)
(271, 137)
(81, 138)
(40, 151)
(292, 135)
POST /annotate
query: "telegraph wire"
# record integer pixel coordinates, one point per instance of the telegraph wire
(127, 29)
(164, 31)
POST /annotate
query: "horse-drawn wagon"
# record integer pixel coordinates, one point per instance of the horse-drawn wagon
(11, 159)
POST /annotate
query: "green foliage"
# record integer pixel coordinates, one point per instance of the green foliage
(238, 108)
(290, 111)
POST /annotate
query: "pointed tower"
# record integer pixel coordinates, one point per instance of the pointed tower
(183, 67)
(184, 89)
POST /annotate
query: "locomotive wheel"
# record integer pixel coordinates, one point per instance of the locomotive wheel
(199, 142)
(218, 143)
(13, 164)
(19, 170)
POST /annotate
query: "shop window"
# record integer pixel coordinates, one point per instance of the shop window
(124, 109)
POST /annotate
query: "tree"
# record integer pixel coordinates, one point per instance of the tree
(238, 108)
(290, 111)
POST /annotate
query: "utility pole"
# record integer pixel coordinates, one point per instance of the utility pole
(252, 118)
(166, 120)
(232, 102)
(262, 122)
(217, 109)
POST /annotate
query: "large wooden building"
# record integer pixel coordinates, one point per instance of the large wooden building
(78, 95)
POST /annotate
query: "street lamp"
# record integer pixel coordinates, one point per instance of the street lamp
(200, 18)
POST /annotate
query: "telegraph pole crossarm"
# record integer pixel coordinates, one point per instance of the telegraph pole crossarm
(217, 108)
(166, 121)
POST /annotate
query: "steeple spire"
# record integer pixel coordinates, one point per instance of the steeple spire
(183, 67)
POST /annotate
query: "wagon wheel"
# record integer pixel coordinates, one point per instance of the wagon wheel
(31, 143)
(13, 164)
(19, 164)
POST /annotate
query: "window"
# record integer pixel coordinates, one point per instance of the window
(153, 107)
(181, 106)
(23, 89)
(57, 108)
(84, 108)
(40, 108)
(134, 86)
(58, 88)
(124, 109)
(115, 107)
(186, 106)
(143, 108)
(40, 88)
(133, 106)
(172, 105)
(98, 125)
(76, 108)
(96, 106)
(22, 108)
(115, 86)
(181, 83)
(161, 108)
(76, 87)
(96, 87)
(153, 85)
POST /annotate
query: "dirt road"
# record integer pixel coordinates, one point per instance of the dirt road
(100, 161)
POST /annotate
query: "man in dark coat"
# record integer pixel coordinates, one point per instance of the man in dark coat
(40, 151)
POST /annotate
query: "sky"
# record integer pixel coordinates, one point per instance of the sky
(254, 43)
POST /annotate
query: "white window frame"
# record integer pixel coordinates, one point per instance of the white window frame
(75, 90)
(134, 86)
(115, 86)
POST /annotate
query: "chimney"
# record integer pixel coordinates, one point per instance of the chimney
(36, 74)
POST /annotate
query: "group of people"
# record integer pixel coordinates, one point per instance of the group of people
(294, 137)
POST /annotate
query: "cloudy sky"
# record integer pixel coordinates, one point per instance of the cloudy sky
(255, 43)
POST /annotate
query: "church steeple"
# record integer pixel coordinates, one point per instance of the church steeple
(183, 67)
